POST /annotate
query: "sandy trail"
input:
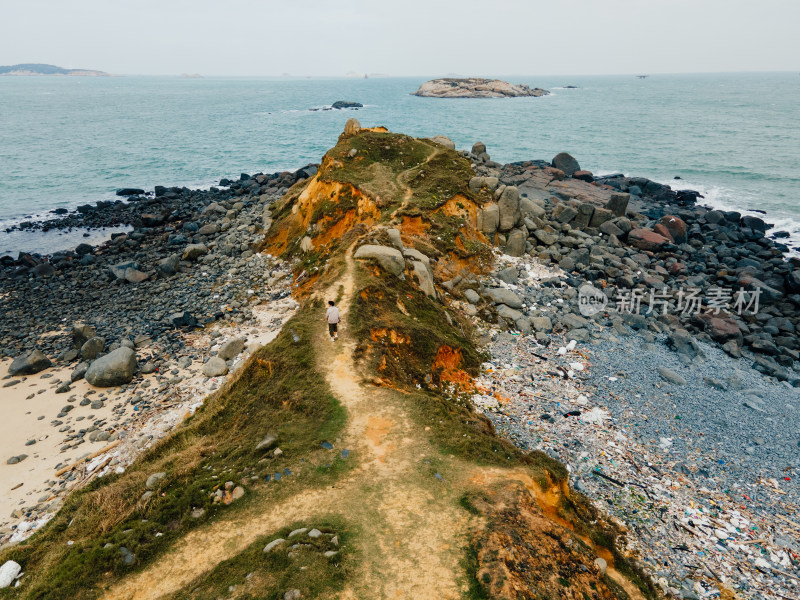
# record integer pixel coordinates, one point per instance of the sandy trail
(411, 531)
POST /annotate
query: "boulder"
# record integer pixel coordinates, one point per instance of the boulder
(478, 148)
(472, 296)
(504, 296)
(548, 238)
(646, 239)
(573, 321)
(79, 372)
(530, 210)
(509, 208)
(609, 228)
(586, 176)
(395, 238)
(28, 364)
(120, 269)
(671, 376)
(515, 245)
(793, 281)
(153, 480)
(564, 213)
(543, 324)
(194, 251)
(489, 219)
(600, 216)
(92, 348)
(566, 163)
(390, 259)
(130, 192)
(352, 127)
(208, 229)
(182, 319)
(721, 329)
(135, 276)
(423, 276)
(676, 227)
(684, 344)
(169, 265)
(231, 349)
(618, 204)
(445, 141)
(215, 367)
(115, 368)
(81, 333)
(584, 216)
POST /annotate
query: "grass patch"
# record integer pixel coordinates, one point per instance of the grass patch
(254, 574)
(278, 391)
(385, 164)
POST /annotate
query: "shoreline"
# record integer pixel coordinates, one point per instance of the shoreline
(227, 301)
(196, 252)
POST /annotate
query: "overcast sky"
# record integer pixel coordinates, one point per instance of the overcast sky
(410, 37)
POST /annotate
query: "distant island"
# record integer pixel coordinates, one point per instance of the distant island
(475, 87)
(41, 69)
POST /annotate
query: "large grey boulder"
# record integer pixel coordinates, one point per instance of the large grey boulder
(231, 349)
(509, 208)
(515, 245)
(28, 364)
(566, 163)
(215, 367)
(504, 296)
(115, 368)
(390, 259)
(92, 348)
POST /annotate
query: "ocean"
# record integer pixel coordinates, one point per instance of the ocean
(66, 141)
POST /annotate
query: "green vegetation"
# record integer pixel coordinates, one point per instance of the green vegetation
(386, 165)
(253, 574)
(279, 392)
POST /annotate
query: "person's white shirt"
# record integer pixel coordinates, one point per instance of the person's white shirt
(332, 314)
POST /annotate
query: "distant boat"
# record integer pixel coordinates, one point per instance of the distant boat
(643, 76)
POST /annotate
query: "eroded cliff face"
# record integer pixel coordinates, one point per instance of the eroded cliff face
(355, 468)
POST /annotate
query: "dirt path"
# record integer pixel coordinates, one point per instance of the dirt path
(411, 532)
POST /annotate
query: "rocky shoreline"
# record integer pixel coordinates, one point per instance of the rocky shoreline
(134, 332)
(178, 301)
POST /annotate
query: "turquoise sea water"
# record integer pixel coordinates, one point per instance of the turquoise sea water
(73, 140)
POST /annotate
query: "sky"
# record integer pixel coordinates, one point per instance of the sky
(402, 38)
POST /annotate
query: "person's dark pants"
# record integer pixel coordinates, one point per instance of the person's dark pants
(333, 328)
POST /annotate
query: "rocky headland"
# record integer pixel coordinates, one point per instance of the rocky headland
(475, 87)
(29, 69)
(544, 386)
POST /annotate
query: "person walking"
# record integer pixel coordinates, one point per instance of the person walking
(333, 317)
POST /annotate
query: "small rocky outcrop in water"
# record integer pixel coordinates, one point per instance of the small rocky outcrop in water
(475, 87)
